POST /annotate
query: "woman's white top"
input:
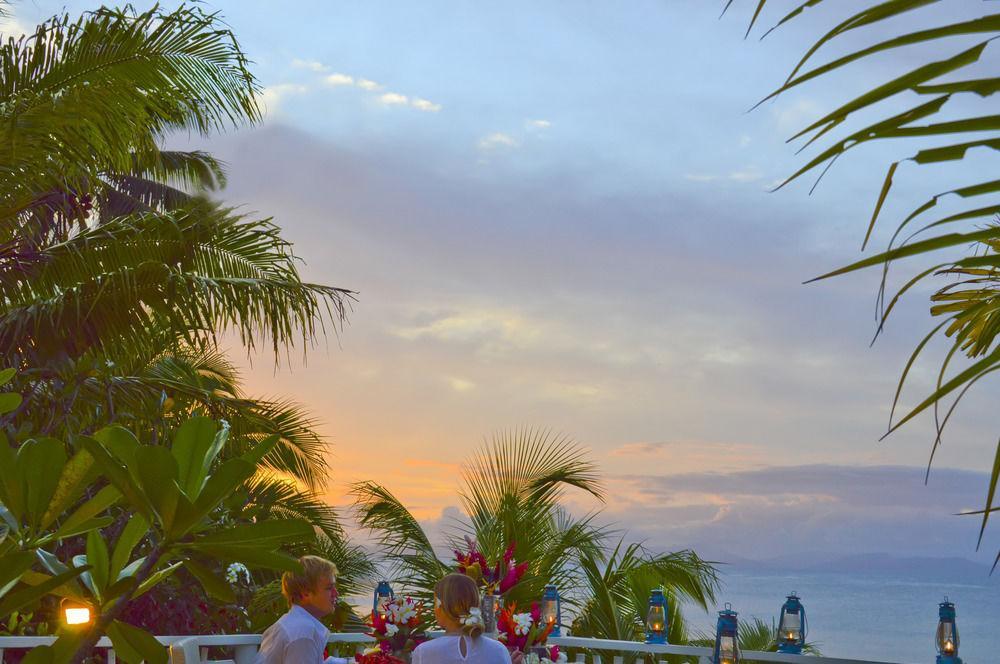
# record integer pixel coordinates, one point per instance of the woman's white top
(448, 650)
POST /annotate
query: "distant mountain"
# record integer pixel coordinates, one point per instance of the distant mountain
(951, 568)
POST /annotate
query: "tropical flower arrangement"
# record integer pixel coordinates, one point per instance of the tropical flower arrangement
(376, 656)
(396, 628)
(526, 632)
(492, 579)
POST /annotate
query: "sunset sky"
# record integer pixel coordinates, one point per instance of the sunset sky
(557, 215)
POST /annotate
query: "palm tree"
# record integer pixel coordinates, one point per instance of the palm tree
(754, 635)
(618, 585)
(937, 86)
(118, 274)
(511, 492)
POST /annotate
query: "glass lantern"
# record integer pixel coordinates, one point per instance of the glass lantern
(383, 595)
(727, 647)
(656, 617)
(551, 609)
(792, 626)
(947, 634)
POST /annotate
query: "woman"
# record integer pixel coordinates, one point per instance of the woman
(456, 607)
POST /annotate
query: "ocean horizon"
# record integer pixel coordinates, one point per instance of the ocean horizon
(872, 616)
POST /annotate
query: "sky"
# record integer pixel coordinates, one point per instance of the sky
(558, 215)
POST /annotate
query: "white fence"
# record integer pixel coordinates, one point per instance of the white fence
(194, 649)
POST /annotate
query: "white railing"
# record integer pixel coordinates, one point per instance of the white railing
(193, 649)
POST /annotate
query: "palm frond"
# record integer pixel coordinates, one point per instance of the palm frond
(946, 77)
(195, 272)
(81, 96)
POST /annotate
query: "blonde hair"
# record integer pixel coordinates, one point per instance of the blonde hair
(314, 569)
(456, 594)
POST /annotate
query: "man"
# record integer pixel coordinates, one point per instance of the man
(298, 637)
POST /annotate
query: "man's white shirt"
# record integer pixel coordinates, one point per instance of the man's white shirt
(296, 638)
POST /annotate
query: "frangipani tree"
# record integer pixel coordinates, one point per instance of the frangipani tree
(166, 495)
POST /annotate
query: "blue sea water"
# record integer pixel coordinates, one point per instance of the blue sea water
(869, 616)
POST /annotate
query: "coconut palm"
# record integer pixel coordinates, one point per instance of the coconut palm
(929, 101)
(116, 276)
(511, 491)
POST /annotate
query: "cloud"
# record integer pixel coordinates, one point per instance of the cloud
(424, 105)
(538, 124)
(11, 28)
(311, 65)
(394, 99)
(460, 384)
(497, 140)
(775, 511)
(386, 98)
(272, 96)
(339, 79)
(747, 174)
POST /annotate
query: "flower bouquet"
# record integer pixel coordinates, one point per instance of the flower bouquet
(492, 579)
(376, 656)
(526, 632)
(395, 628)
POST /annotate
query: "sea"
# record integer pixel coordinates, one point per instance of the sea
(873, 617)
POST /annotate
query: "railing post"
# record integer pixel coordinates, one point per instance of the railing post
(704, 659)
(112, 657)
(245, 654)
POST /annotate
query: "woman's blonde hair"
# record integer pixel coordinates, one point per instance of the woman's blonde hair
(314, 569)
(456, 594)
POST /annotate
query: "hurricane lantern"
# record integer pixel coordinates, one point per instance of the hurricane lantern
(383, 595)
(76, 614)
(727, 647)
(792, 626)
(656, 617)
(551, 609)
(947, 634)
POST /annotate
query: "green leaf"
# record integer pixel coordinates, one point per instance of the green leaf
(134, 645)
(14, 565)
(119, 477)
(215, 585)
(27, 596)
(157, 472)
(267, 534)
(39, 466)
(9, 401)
(261, 450)
(80, 528)
(6, 375)
(922, 247)
(990, 492)
(156, 578)
(121, 442)
(193, 449)
(11, 487)
(226, 479)
(136, 529)
(85, 514)
(77, 474)
(250, 556)
(98, 559)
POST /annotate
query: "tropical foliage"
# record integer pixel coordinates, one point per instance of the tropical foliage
(511, 491)
(118, 276)
(931, 98)
(164, 500)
